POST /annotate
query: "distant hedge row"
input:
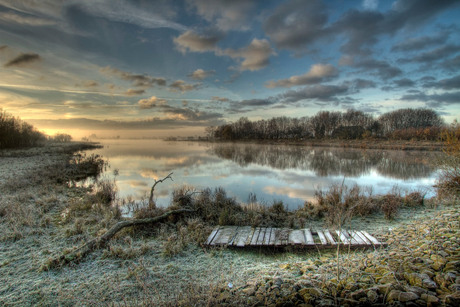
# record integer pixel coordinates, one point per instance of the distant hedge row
(403, 124)
(16, 133)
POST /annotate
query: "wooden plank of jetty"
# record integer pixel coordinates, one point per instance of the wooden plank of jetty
(322, 237)
(255, 236)
(241, 236)
(329, 237)
(296, 237)
(212, 235)
(267, 237)
(282, 237)
(350, 238)
(342, 237)
(308, 237)
(224, 235)
(354, 236)
(363, 237)
(371, 238)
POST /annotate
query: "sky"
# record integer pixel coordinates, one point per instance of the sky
(164, 68)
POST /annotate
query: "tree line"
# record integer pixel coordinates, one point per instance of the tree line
(402, 124)
(16, 133)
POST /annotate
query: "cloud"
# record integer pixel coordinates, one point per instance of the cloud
(252, 57)
(298, 25)
(129, 12)
(219, 99)
(136, 79)
(405, 82)
(319, 92)
(88, 83)
(452, 64)
(23, 59)
(201, 74)
(10, 17)
(294, 24)
(150, 103)
(318, 73)
(225, 14)
(370, 5)
(182, 86)
(434, 55)
(384, 70)
(434, 99)
(133, 92)
(418, 43)
(446, 84)
(191, 41)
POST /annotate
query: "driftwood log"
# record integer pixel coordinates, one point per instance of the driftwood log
(102, 240)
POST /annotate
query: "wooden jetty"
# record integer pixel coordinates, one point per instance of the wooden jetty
(246, 236)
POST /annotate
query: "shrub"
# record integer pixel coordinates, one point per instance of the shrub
(390, 205)
(449, 178)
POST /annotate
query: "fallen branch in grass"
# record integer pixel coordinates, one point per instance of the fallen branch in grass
(101, 241)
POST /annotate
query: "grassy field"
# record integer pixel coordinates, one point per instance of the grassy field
(43, 215)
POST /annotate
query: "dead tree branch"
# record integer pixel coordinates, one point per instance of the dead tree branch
(101, 241)
(151, 202)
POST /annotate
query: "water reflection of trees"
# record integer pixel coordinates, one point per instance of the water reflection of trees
(330, 161)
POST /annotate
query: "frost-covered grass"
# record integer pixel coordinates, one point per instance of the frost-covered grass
(42, 217)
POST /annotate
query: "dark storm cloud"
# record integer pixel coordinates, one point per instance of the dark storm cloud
(418, 43)
(23, 59)
(383, 69)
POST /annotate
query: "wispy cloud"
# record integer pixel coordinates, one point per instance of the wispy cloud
(23, 59)
(226, 15)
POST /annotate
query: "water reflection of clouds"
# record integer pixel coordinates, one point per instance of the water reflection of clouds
(287, 173)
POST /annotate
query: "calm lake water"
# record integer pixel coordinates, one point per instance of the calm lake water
(272, 172)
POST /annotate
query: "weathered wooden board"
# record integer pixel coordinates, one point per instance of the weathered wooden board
(255, 236)
(241, 236)
(329, 237)
(371, 238)
(363, 237)
(212, 235)
(296, 237)
(282, 237)
(308, 237)
(224, 235)
(267, 237)
(342, 237)
(322, 237)
(350, 238)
